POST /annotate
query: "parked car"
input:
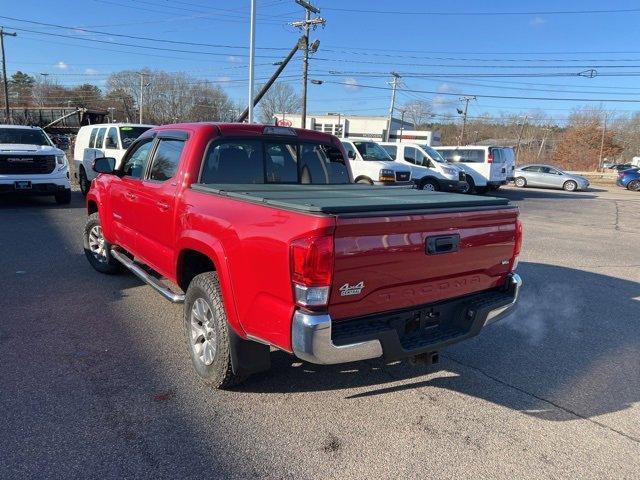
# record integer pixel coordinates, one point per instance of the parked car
(629, 179)
(371, 164)
(547, 176)
(30, 164)
(102, 140)
(484, 166)
(258, 231)
(426, 172)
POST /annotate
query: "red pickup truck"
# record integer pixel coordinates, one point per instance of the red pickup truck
(259, 231)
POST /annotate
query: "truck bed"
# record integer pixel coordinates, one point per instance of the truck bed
(350, 198)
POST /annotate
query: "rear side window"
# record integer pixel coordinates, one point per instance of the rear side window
(100, 137)
(257, 162)
(465, 156)
(92, 138)
(166, 159)
(391, 150)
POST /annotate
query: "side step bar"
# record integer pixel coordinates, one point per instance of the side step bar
(147, 278)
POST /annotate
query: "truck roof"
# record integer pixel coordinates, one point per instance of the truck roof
(349, 198)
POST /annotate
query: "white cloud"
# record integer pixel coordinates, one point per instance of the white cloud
(91, 71)
(233, 59)
(62, 65)
(537, 21)
(440, 102)
(351, 84)
(444, 88)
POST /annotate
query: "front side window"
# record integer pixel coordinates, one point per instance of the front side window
(166, 159)
(372, 151)
(136, 162)
(434, 154)
(100, 137)
(112, 139)
(391, 150)
(24, 136)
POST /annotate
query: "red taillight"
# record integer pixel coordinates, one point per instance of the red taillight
(312, 269)
(490, 158)
(517, 244)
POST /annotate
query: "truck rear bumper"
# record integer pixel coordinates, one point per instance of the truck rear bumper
(401, 334)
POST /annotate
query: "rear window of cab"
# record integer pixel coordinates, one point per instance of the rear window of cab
(284, 161)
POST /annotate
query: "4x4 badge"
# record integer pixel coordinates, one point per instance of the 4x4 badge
(346, 289)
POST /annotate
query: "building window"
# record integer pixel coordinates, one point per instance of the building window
(317, 127)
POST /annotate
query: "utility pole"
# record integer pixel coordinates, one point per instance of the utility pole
(394, 87)
(4, 72)
(142, 87)
(524, 122)
(464, 118)
(306, 25)
(402, 124)
(252, 52)
(544, 139)
(604, 129)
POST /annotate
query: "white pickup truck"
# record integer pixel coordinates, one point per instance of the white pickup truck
(31, 165)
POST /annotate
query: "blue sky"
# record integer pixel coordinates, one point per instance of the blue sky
(358, 48)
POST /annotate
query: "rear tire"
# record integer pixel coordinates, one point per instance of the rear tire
(83, 181)
(97, 249)
(570, 186)
(207, 332)
(520, 182)
(429, 185)
(634, 185)
(64, 197)
(471, 185)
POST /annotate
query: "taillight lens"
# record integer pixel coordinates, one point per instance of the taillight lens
(518, 245)
(490, 158)
(312, 269)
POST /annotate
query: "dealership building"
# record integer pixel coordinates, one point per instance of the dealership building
(360, 126)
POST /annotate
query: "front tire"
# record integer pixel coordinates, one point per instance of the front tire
(207, 332)
(570, 186)
(64, 197)
(429, 185)
(634, 185)
(520, 182)
(97, 249)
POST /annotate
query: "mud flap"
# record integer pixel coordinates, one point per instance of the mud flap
(248, 357)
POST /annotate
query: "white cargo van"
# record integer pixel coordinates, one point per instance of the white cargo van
(429, 171)
(102, 140)
(370, 163)
(484, 166)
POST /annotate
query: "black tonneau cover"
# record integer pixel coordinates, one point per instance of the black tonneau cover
(349, 198)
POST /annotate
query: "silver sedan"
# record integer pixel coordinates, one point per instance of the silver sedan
(546, 176)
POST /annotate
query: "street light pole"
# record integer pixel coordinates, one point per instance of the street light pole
(252, 51)
(4, 72)
(464, 119)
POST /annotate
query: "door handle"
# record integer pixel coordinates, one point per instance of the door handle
(163, 205)
(130, 196)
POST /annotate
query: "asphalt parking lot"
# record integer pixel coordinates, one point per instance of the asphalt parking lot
(96, 382)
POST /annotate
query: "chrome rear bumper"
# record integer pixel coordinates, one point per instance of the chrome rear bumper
(312, 341)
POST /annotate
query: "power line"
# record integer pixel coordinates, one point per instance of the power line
(616, 100)
(486, 14)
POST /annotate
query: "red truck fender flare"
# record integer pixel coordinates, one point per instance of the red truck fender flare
(213, 249)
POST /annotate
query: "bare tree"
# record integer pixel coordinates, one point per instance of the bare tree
(280, 98)
(417, 112)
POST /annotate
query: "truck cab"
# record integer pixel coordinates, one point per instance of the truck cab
(102, 140)
(371, 164)
(30, 164)
(429, 171)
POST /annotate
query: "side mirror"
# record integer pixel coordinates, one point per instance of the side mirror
(104, 165)
(351, 154)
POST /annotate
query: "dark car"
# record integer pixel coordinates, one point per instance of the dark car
(629, 179)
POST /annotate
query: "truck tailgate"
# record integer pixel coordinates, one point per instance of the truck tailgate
(385, 263)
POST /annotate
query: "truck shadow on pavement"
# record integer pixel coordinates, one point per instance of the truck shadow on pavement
(571, 350)
(517, 194)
